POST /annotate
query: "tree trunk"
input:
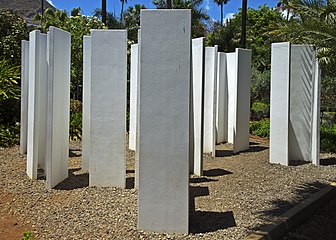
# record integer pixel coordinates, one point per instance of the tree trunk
(104, 11)
(122, 11)
(222, 14)
(244, 13)
(42, 11)
(169, 4)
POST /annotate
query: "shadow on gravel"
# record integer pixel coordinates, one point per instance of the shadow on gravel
(74, 181)
(204, 221)
(228, 153)
(281, 206)
(328, 161)
(130, 171)
(130, 182)
(216, 172)
(202, 180)
(73, 154)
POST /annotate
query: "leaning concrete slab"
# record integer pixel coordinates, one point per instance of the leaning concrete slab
(222, 99)
(24, 95)
(37, 103)
(108, 108)
(58, 108)
(198, 49)
(210, 90)
(279, 112)
(133, 96)
(164, 123)
(86, 101)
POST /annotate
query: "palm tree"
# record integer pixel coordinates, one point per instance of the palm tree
(103, 12)
(122, 9)
(221, 3)
(244, 13)
(112, 22)
(284, 5)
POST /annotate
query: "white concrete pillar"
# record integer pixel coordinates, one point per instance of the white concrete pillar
(58, 110)
(133, 96)
(164, 124)
(210, 99)
(24, 95)
(136, 180)
(86, 101)
(239, 88)
(37, 103)
(108, 108)
(222, 100)
(198, 50)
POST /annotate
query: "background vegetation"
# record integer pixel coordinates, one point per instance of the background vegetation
(297, 21)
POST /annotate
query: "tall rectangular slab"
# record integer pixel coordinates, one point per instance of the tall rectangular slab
(210, 90)
(86, 101)
(133, 96)
(198, 49)
(315, 149)
(58, 113)
(279, 112)
(37, 103)
(136, 180)
(231, 59)
(24, 95)
(243, 92)
(222, 99)
(108, 108)
(301, 101)
(164, 124)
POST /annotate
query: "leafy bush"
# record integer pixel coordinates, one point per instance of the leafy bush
(75, 130)
(260, 86)
(260, 110)
(9, 135)
(260, 128)
(328, 138)
(26, 236)
(9, 77)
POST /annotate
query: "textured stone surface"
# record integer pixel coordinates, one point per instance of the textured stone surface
(58, 108)
(108, 108)
(133, 96)
(24, 95)
(164, 124)
(198, 49)
(37, 103)
(86, 101)
(210, 90)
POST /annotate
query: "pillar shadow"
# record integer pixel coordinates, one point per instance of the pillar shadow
(130, 171)
(328, 161)
(130, 182)
(228, 153)
(202, 180)
(73, 154)
(216, 172)
(206, 221)
(74, 181)
(40, 174)
(224, 153)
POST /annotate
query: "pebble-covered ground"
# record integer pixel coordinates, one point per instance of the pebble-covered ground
(237, 194)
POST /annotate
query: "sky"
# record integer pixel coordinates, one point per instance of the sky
(213, 9)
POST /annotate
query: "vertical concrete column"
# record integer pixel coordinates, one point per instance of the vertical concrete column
(315, 136)
(24, 95)
(198, 49)
(136, 181)
(58, 110)
(133, 96)
(164, 124)
(279, 112)
(301, 101)
(222, 99)
(86, 101)
(108, 108)
(37, 103)
(232, 90)
(210, 98)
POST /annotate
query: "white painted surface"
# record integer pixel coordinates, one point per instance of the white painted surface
(58, 110)
(37, 103)
(86, 101)
(243, 89)
(222, 99)
(279, 112)
(133, 96)
(210, 90)
(231, 59)
(24, 95)
(198, 49)
(301, 101)
(164, 124)
(108, 108)
(136, 180)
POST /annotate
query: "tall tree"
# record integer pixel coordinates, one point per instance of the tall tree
(244, 16)
(221, 3)
(122, 9)
(132, 21)
(103, 12)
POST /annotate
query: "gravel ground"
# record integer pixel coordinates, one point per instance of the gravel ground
(237, 194)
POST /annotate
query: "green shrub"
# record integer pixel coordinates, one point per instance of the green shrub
(9, 135)
(260, 110)
(328, 138)
(75, 130)
(26, 236)
(260, 128)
